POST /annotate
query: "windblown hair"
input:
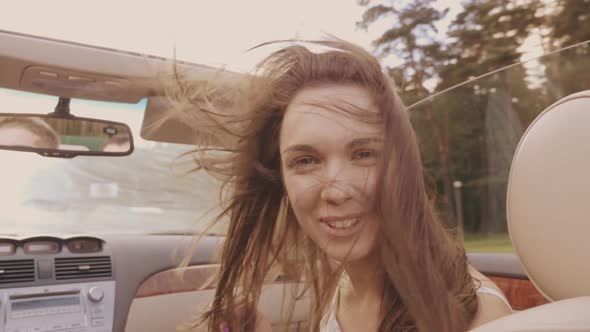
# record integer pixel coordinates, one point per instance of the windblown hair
(425, 272)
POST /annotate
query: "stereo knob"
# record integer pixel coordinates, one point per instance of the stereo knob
(95, 294)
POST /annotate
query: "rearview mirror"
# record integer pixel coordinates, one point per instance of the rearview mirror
(65, 137)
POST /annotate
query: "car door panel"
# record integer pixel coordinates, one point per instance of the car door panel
(167, 312)
(169, 299)
(138, 257)
(192, 278)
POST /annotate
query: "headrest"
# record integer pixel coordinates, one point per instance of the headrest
(548, 202)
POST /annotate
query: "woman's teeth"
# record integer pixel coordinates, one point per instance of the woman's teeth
(342, 223)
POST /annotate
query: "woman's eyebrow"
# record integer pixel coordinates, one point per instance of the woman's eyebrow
(362, 141)
(352, 144)
(299, 148)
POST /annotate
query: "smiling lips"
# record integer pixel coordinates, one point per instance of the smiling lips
(341, 223)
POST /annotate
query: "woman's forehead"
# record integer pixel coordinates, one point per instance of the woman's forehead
(338, 112)
(335, 95)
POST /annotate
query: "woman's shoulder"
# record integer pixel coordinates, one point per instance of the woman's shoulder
(262, 323)
(492, 302)
(329, 323)
(483, 280)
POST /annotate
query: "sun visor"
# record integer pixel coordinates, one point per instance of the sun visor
(64, 83)
(161, 124)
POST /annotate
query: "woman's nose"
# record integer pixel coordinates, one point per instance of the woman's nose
(336, 193)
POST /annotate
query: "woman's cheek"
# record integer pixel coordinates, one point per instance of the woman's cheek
(371, 185)
(303, 193)
(366, 182)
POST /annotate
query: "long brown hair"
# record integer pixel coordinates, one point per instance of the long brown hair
(427, 283)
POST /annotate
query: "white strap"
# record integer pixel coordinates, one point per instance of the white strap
(329, 323)
(494, 292)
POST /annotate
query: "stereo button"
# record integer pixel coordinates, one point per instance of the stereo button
(95, 294)
(36, 329)
(98, 322)
(97, 310)
(56, 327)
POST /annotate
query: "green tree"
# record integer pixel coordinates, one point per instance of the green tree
(458, 131)
(568, 71)
(411, 38)
(571, 23)
(486, 36)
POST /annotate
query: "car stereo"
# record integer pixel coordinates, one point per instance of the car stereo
(83, 307)
(49, 283)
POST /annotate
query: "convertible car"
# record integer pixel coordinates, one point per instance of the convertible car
(95, 230)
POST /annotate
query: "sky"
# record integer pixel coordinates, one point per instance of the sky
(213, 32)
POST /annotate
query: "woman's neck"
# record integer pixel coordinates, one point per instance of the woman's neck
(360, 296)
(364, 283)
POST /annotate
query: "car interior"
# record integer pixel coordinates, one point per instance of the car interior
(112, 280)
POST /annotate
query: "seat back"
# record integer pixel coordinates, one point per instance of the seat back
(548, 210)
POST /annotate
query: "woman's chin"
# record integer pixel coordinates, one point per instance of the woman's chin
(347, 256)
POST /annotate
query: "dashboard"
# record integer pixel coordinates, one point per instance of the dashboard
(64, 284)
(85, 283)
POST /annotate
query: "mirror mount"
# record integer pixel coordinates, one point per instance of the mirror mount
(62, 109)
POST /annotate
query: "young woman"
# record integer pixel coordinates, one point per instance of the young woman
(325, 185)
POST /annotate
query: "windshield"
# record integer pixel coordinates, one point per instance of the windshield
(146, 192)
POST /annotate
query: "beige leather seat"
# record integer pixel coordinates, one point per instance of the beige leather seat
(548, 208)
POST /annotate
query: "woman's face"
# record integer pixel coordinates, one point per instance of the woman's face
(329, 160)
(16, 136)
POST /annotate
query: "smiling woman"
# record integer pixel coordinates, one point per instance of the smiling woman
(324, 185)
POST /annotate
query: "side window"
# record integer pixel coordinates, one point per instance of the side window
(468, 137)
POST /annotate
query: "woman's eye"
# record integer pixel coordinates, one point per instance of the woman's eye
(364, 154)
(302, 162)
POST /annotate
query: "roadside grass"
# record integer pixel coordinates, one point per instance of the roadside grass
(496, 243)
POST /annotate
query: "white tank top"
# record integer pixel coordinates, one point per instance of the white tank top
(329, 323)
